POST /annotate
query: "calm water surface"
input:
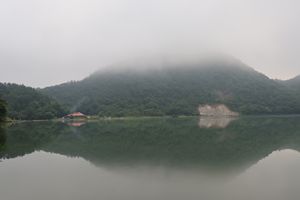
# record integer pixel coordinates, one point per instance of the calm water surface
(152, 159)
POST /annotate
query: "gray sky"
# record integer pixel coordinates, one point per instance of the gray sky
(45, 42)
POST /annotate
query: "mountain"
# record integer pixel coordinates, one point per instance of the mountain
(293, 85)
(176, 88)
(27, 103)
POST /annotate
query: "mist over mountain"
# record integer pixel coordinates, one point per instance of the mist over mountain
(176, 87)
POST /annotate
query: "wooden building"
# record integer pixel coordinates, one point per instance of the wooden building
(75, 116)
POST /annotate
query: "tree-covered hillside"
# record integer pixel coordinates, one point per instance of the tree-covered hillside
(293, 84)
(176, 90)
(27, 103)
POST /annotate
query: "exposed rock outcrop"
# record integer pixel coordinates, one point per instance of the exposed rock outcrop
(216, 110)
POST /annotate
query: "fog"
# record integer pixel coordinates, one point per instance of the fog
(49, 42)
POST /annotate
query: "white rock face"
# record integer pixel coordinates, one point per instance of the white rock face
(216, 110)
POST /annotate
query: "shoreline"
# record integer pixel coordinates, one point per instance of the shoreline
(95, 118)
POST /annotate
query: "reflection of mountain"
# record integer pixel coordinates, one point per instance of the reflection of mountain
(175, 142)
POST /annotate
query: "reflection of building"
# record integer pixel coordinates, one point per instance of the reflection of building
(76, 124)
(76, 116)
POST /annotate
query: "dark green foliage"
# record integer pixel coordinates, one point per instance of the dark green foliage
(3, 110)
(176, 91)
(28, 103)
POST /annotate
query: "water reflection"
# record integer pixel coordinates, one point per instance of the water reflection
(2, 136)
(274, 177)
(215, 122)
(76, 124)
(163, 158)
(171, 142)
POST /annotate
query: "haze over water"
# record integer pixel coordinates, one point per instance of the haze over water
(157, 158)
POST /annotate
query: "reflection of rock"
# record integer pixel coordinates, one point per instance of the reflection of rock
(215, 122)
(216, 110)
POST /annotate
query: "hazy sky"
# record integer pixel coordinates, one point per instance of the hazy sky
(45, 42)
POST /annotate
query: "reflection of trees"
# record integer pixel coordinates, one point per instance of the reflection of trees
(24, 138)
(175, 142)
(2, 136)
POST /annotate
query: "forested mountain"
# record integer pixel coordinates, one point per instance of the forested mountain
(293, 83)
(176, 89)
(27, 103)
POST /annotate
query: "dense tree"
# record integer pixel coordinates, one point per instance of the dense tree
(27, 103)
(3, 110)
(177, 90)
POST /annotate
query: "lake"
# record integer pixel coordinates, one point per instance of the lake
(152, 159)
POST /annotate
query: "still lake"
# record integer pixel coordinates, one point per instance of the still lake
(152, 159)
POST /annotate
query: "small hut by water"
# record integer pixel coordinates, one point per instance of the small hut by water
(75, 116)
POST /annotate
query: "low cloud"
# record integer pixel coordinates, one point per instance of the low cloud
(48, 42)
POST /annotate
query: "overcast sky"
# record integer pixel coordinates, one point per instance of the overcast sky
(46, 42)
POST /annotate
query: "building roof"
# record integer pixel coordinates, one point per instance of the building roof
(76, 114)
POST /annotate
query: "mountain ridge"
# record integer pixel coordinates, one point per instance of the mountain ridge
(176, 90)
